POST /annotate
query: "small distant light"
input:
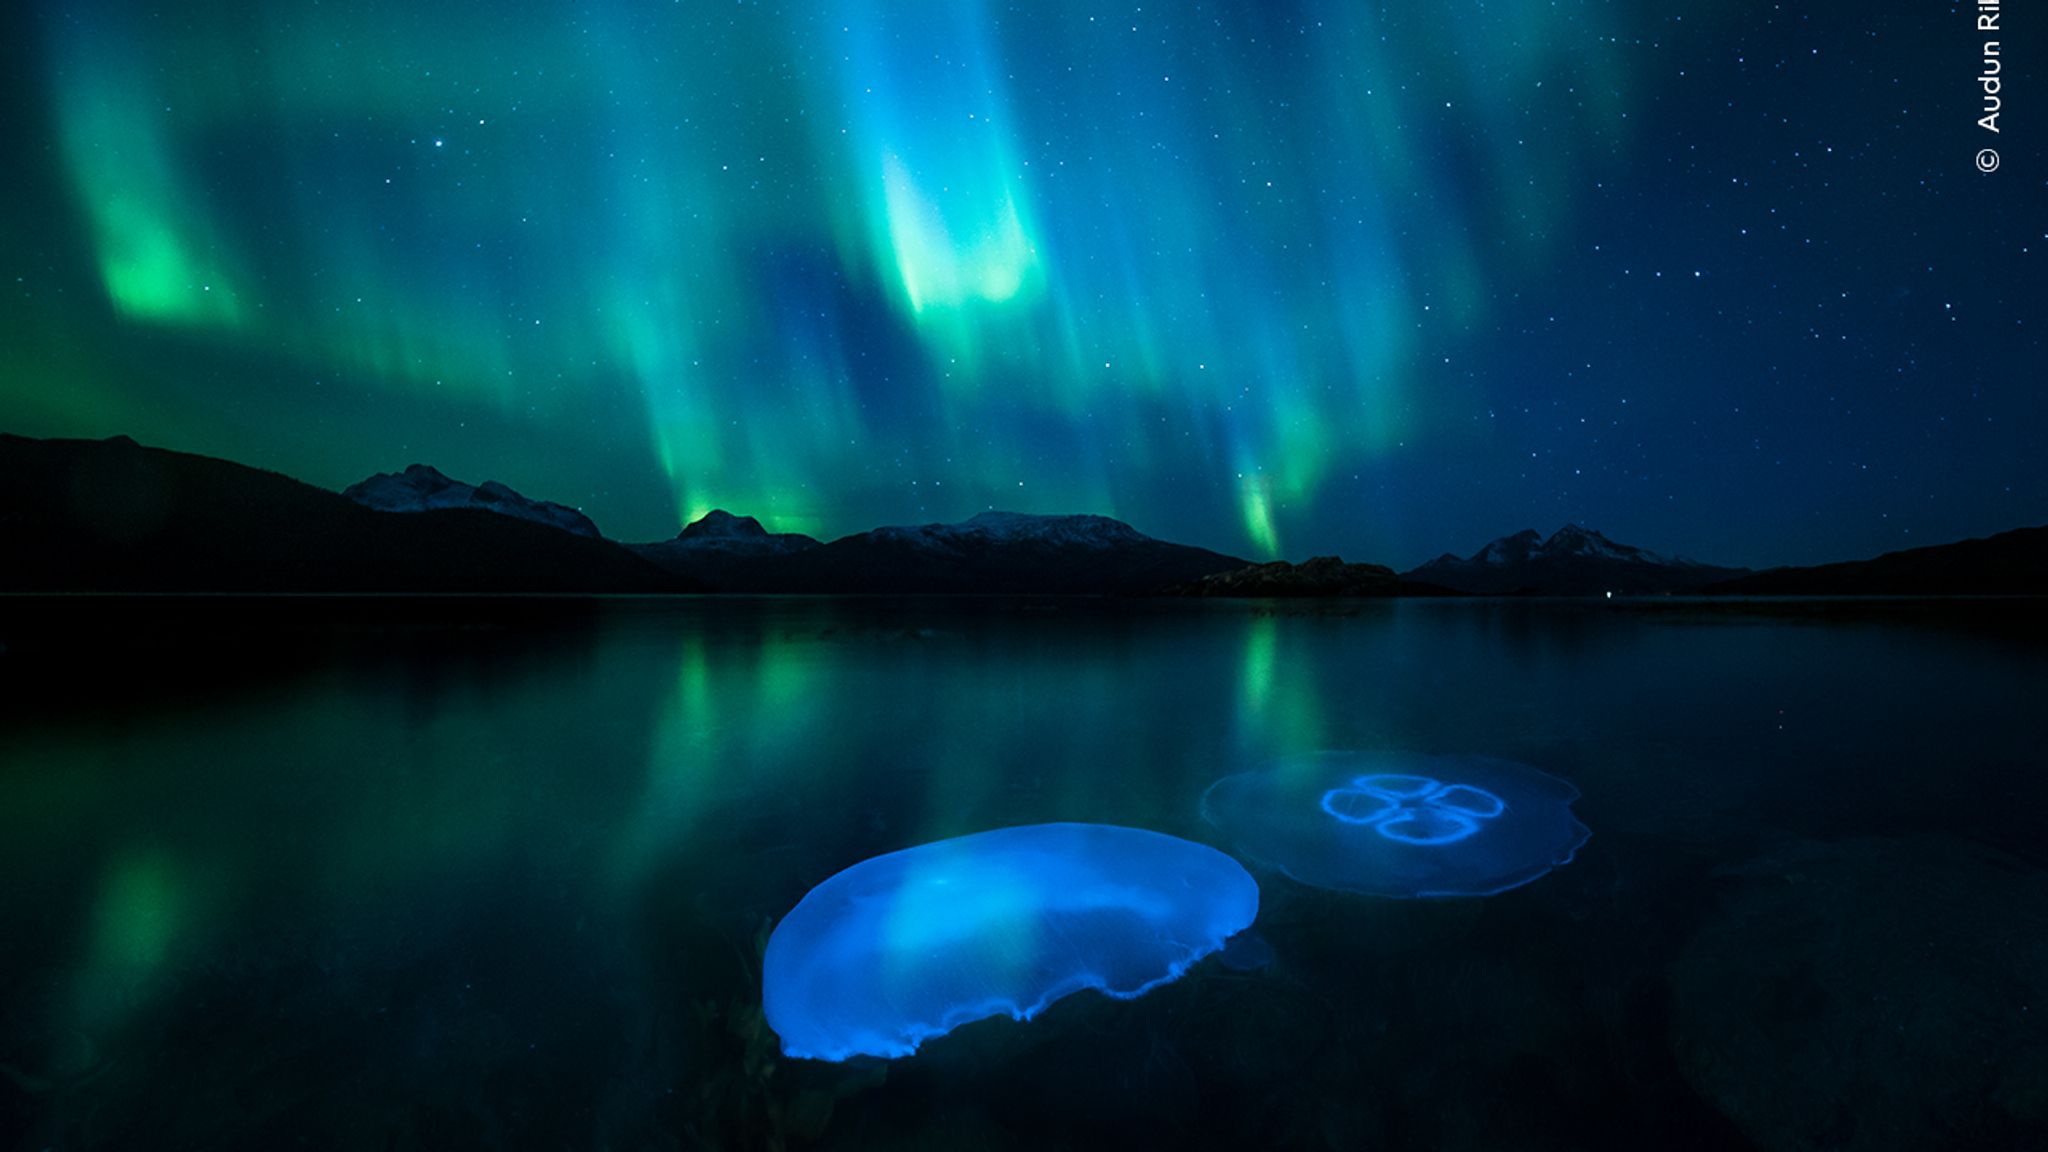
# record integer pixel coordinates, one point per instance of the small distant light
(1610, 595)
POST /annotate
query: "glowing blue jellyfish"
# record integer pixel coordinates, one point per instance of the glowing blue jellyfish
(911, 945)
(1400, 824)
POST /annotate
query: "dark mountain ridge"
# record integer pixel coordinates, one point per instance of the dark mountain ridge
(1318, 577)
(2011, 563)
(994, 552)
(1574, 561)
(720, 548)
(114, 516)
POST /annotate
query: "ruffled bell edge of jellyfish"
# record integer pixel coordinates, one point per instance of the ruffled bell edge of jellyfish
(912, 1037)
(1570, 852)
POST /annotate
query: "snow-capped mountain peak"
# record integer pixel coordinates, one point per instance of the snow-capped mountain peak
(1574, 560)
(1073, 530)
(1017, 528)
(1509, 549)
(422, 487)
(1577, 540)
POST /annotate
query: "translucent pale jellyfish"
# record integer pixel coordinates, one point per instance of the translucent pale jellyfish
(903, 947)
(1400, 824)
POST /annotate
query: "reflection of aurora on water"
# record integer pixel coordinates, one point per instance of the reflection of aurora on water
(1400, 824)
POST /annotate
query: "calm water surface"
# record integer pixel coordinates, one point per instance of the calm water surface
(442, 876)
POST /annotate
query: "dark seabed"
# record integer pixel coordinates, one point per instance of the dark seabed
(451, 875)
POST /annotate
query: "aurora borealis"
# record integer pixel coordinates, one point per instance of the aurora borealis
(1272, 278)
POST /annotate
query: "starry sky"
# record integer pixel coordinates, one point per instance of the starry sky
(1279, 278)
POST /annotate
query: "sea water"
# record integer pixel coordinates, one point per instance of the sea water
(427, 875)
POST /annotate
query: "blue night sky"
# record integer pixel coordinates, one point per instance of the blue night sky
(1276, 278)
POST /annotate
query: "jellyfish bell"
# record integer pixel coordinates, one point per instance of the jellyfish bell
(1400, 824)
(910, 945)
